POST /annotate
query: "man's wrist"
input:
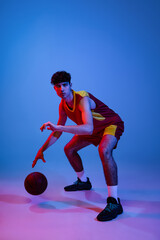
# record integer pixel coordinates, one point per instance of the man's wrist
(41, 149)
(59, 128)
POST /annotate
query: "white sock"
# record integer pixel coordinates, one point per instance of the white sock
(112, 191)
(81, 175)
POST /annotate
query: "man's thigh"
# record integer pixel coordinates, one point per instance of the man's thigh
(77, 143)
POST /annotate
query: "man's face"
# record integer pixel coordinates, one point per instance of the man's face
(63, 89)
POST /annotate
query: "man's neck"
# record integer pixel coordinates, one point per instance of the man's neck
(69, 100)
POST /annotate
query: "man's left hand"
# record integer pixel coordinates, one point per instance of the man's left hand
(50, 126)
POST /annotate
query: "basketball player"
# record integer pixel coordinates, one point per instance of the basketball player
(96, 124)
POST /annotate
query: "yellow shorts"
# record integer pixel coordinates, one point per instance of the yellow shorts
(110, 130)
(115, 130)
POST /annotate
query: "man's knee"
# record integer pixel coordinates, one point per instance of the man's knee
(68, 149)
(105, 153)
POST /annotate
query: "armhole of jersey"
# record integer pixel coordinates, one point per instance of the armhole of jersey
(83, 93)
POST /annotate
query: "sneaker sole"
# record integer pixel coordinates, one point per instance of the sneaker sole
(74, 190)
(109, 219)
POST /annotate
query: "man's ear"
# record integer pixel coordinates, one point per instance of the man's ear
(54, 87)
(70, 84)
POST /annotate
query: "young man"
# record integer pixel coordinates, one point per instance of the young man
(96, 124)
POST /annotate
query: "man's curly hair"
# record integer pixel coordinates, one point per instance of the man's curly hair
(60, 76)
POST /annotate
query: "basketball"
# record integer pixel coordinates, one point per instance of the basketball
(35, 183)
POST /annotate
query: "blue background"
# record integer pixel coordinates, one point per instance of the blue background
(111, 48)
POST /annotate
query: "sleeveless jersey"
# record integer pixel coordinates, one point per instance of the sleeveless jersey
(103, 116)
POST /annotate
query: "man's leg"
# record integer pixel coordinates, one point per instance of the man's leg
(106, 146)
(71, 150)
(113, 207)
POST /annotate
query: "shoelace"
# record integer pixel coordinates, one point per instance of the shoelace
(78, 181)
(110, 207)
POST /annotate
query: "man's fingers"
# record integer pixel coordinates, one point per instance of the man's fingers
(43, 127)
(43, 160)
(34, 163)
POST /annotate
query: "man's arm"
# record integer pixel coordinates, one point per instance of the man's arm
(53, 136)
(84, 129)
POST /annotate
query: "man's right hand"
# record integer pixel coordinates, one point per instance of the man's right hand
(38, 156)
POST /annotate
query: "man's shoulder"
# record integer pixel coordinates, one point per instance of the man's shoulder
(82, 93)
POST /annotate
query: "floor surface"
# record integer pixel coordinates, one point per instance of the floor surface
(60, 215)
